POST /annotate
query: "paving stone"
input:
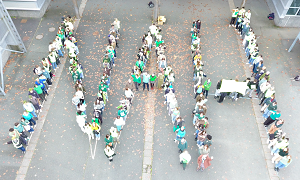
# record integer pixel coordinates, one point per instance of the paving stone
(147, 160)
(146, 176)
(148, 152)
(148, 145)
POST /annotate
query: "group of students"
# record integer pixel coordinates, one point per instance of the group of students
(278, 142)
(200, 122)
(92, 129)
(139, 73)
(20, 133)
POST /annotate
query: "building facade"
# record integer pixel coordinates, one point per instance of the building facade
(287, 12)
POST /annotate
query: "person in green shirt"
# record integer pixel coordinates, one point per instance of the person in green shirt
(152, 80)
(206, 85)
(140, 65)
(109, 140)
(38, 89)
(122, 113)
(274, 116)
(136, 80)
(106, 61)
(103, 87)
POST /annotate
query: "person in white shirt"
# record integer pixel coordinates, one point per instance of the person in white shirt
(149, 41)
(129, 94)
(51, 47)
(248, 15)
(117, 25)
(184, 158)
(119, 122)
(153, 30)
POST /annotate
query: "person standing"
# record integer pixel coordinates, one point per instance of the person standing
(88, 130)
(175, 114)
(204, 149)
(160, 80)
(184, 158)
(96, 130)
(129, 84)
(284, 162)
(206, 85)
(119, 122)
(152, 80)
(38, 89)
(29, 108)
(180, 134)
(109, 140)
(233, 16)
(182, 145)
(122, 113)
(203, 162)
(129, 94)
(272, 107)
(146, 79)
(28, 116)
(109, 153)
(136, 80)
(35, 102)
(17, 144)
(274, 115)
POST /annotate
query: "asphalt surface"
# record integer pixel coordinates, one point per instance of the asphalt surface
(63, 151)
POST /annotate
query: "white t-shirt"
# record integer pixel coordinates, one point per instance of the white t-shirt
(128, 93)
(153, 29)
(149, 39)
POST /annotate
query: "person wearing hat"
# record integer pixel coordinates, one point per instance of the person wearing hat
(180, 134)
(184, 158)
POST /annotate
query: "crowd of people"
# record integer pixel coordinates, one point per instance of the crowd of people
(200, 121)
(201, 88)
(92, 128)
(22, 130)
(265, 92)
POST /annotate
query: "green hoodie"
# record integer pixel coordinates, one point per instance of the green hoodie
(207, 85)
(39, 89)
(135, 79)
(103, 87)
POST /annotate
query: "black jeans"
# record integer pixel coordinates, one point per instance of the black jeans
(205, 93)
(136, 85)
(145, 84)
(232, 20)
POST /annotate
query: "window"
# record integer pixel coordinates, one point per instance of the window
(295, 3)
(294, 9)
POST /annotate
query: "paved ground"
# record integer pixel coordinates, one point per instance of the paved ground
(63, 151)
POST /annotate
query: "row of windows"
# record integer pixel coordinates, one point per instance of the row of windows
(294, 9)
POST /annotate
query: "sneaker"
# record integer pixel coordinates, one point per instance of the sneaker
(41, 110)
(114, 65)
(165, 102)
